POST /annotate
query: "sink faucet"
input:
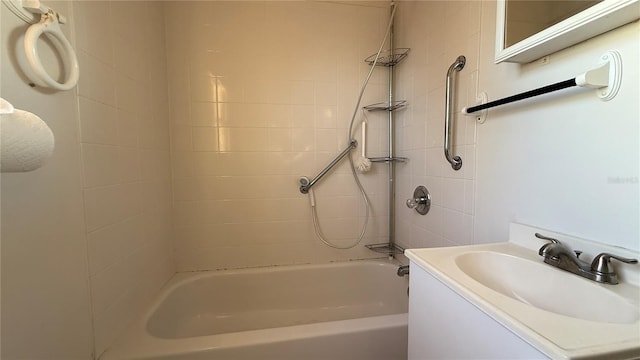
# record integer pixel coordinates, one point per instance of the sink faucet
(559, 255)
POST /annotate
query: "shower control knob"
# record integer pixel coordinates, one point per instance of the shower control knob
(421, 200)
(412, 203)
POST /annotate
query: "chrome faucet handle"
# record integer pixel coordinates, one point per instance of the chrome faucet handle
(413, 203)
(540, 236)
(421, 200)
(543, 250)
(601, 262)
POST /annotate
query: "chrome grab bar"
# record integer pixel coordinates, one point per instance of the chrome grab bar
(305, 186)
(455, 161)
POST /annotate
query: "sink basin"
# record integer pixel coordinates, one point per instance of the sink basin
(547, 288)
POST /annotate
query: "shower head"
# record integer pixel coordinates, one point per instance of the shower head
(304, 181)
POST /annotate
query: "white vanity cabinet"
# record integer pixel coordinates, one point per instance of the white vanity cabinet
(443, 325)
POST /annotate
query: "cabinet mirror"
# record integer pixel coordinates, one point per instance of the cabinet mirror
(527, 30)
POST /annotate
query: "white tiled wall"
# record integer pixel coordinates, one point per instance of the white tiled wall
(124, 136)
(261, 94)
(437, 33)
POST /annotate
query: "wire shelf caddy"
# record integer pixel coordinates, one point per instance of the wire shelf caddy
(386, 248)
(388, 57)
(388, 159)
(398, 104)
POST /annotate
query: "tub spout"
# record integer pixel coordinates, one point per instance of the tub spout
(403, 270)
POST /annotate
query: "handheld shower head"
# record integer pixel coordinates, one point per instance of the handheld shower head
(304, 181)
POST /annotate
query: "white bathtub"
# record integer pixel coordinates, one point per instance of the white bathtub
(348, 310)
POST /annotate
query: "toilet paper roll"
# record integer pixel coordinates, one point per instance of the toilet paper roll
(26, 142)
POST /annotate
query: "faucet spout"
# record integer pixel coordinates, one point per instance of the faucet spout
(403, 270)
(566, 260)
(557, 254)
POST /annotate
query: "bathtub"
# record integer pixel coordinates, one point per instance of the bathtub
(345, 310)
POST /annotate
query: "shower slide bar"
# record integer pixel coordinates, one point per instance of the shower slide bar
(605, 79)
(455, 161)
(305, 186)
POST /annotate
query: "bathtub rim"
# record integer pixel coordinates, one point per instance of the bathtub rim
(137, 342)
(180, 278)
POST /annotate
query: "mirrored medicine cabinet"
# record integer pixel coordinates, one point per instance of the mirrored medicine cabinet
(527, 30)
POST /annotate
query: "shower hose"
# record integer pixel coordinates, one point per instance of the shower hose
(314, 214)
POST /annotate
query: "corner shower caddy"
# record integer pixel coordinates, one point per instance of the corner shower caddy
(389, 59)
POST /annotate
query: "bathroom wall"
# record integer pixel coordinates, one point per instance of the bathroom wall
(566, 161)
(124, 143)
(437, 33)
(45, 295)
(86, 240)
(261, 94)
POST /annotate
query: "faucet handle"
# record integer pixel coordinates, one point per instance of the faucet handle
(543, 250)
(540, 236)
(601, 262)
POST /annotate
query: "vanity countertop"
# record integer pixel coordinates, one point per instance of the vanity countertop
(540, 322)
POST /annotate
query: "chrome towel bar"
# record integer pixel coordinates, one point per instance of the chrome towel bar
(455, 161)
(305, 186)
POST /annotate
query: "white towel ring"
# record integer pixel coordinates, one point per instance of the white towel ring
(50, 25)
